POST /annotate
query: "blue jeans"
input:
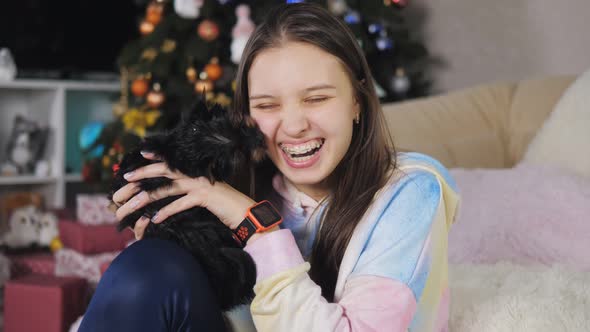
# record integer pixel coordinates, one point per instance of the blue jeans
(153, 285)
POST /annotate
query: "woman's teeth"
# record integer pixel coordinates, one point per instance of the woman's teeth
(302, 152)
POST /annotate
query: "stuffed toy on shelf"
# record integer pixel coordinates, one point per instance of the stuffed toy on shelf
(29, 227)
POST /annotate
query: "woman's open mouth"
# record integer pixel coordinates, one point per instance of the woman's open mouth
(302, 155)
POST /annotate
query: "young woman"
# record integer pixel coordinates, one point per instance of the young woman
(363, 244)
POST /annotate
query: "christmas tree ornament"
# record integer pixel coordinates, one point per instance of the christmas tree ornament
(383, 42)
(213, 69)
(155, 98)
(154, 12)
(139, 87)
(374, 28)
(387, 3)
(208, 30)
(188, 9)
(352, 17)
(203, 85)
(137, 121)
(149, 54)
(400, 82)
(337, 7)
(146, 28)
(191, 74)
(168, 46)
(241, 32)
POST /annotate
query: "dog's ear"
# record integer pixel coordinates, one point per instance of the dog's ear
(198, 111)
(253, 139)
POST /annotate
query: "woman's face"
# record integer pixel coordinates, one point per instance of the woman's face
(303, 101)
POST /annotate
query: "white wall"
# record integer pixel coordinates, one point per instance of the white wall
(490, 40)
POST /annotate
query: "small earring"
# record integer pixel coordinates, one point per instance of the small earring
(357, 118)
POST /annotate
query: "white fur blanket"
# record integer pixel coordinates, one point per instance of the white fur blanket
(507, 297)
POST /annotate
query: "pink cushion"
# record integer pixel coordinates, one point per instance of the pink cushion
(528, 214)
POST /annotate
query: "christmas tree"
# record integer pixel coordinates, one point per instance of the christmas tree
(191, 47)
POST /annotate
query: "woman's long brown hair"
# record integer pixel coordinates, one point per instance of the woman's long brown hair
(365, 166)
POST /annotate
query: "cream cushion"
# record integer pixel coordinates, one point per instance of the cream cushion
(564, 139)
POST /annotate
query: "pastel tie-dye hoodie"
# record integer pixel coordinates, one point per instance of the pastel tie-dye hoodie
(394, 273)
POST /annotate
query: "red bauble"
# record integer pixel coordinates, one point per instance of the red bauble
(139, 87)
(208, 30)
(213, 70)
(154, 13)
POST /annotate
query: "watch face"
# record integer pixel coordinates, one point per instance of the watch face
(266, 214)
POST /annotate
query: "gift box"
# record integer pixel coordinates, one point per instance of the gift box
(93, 209)
(69, 262)
(43, 303)
(93, 239)
(38, 263)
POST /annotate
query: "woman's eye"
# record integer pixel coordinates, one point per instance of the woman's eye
(315, 100)
(265, 106)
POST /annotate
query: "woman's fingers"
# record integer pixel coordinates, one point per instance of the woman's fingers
(124, 193)
(140, 227)
(179, 205)
(131, 205)
(152, 171)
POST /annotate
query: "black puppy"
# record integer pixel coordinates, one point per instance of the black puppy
(212, 145)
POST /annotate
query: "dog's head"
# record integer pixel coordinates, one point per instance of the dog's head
(208, 143)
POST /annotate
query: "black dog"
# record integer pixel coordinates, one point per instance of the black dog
(212, 145)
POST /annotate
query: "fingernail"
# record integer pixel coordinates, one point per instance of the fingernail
(137, 199)
(145, 153)
(155, 217)
(128, 175)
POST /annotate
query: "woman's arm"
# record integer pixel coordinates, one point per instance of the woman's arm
(385, 286)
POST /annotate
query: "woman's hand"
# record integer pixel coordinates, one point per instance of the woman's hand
(227, 203)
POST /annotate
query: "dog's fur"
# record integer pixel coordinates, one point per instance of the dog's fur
(212, 145)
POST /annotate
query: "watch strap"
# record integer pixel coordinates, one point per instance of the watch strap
(244, 231)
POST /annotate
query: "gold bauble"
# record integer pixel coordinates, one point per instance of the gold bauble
(146, 28)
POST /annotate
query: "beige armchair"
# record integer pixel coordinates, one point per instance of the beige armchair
(488, 126)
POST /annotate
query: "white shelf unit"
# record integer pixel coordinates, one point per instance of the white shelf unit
(65, 106)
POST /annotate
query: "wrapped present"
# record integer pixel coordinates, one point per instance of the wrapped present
(43, 303)
(37, 263)
(93, 209)
(72, 263)
(93, 239)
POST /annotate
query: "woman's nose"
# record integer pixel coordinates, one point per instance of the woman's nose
(294, 121)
